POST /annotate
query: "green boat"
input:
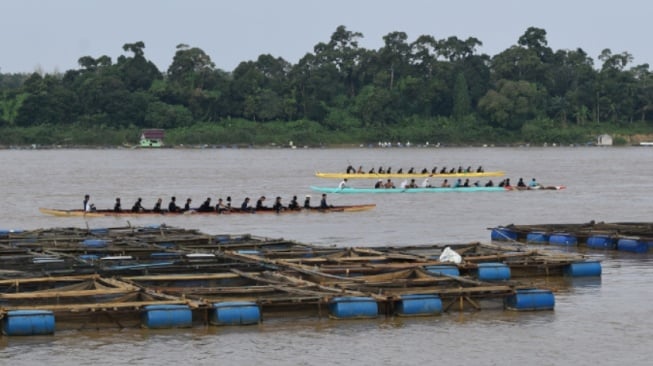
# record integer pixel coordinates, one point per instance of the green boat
(430, 190)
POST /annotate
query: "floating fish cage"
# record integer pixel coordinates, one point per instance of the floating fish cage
(629, 237)
(161, 277)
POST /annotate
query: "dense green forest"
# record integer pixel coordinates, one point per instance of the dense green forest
(428, 90)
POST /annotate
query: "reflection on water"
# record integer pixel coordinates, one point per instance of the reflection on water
(593, 319)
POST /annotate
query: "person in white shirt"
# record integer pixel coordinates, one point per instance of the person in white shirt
(343, 184)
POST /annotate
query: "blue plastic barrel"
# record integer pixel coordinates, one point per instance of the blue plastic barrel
(563, 239)
(235, 313)
(530, 299)
(503, 234)
(443, 269)
(419, 304)
(632, 245)
(94, 243)
(583, 269)
(537, 238)
(167, 316)
(493, 272)
(348, 307)
(601, 242)
(28, 322)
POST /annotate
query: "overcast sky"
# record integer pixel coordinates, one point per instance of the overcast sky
(51, 35)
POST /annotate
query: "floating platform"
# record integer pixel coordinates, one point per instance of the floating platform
(635, 237)
(166, 277)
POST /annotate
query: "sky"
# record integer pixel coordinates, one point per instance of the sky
(51, 35)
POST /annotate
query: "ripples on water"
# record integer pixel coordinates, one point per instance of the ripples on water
(596, 321)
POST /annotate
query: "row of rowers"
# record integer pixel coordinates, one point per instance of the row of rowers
(207, 206)
(443, 170)
(459, 183)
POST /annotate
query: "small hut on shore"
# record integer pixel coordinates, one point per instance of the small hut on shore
(152, 138)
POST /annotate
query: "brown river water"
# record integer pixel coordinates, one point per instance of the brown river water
(602, 321)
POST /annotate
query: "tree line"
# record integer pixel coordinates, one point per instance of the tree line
(438, 90)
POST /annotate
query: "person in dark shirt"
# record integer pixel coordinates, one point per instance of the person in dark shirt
(293, 205)
(259, 203)
(187, 205)
(172, 206)
(245, 205)
(323, 202)
(307, 201)
(521, 183)
(278, 206)
(117, 207)
(138, 206)
(157, 205)
(206, 206)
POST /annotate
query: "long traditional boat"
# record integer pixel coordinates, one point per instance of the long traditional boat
(408, 175)
(430, 190)
(233, 211)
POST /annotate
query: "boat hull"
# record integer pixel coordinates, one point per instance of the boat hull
(109, 213)
(407, 175)
(428, 190)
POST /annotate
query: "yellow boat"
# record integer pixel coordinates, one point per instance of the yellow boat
(409, 175)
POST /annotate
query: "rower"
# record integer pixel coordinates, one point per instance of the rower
(116, 207)
(245, 205)
(323, 202)
(206, 206)
(172, 206)
(278, 206)
(293, 205)
(343, 184)
(138, 207)
(259, 203)
(307, 201)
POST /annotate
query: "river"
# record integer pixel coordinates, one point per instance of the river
(595, 322)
